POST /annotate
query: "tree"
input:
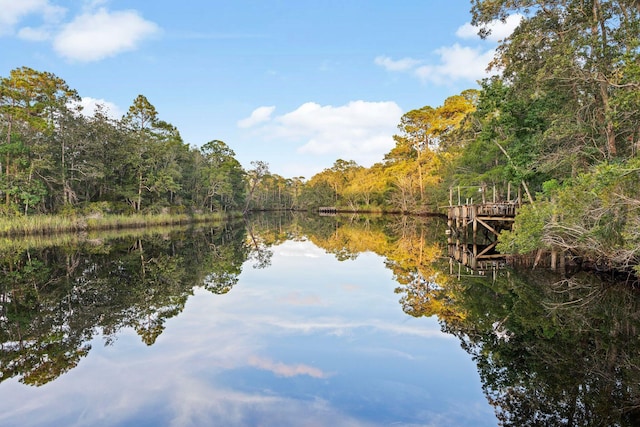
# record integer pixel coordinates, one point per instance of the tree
(578, 61)
(112, 147)
(222, 175)
(296, 184)
(166, 172)
(365, 186)
(33, 105)
(429, 138)
(501, 123)
(417, 131)
(337, 177)
(317, 192)
(156, 147)
(255, 177)
(140, 119)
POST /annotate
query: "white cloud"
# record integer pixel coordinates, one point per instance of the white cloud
(93, 4)
(14, 11)
(389, 64)
(360, 130)
(34, 34)
(499, 30)
(98, 35)
(467, 31)
(91, 105)
(93, 35)
(259, 115)
(457, 63)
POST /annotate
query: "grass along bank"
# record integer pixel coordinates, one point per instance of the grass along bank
(54, 224)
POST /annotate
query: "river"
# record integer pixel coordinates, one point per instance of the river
(294, 320)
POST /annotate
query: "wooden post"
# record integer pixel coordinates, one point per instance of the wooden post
(509, 191)
(554, 252)
(475, 223)
(450, 227)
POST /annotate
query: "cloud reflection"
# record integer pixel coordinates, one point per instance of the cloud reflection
(205, 369)
(284, 370)
(295, 298)
(225, 407)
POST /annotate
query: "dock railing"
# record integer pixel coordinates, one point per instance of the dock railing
(483, 194)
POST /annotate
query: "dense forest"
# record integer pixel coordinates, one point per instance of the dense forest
(56, 160)
(561, 121)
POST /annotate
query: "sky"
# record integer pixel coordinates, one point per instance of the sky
(296, 84)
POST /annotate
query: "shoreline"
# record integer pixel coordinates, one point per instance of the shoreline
(34, 225)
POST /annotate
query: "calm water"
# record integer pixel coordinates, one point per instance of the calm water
(294, 321)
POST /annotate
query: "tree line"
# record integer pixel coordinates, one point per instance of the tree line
(54, 159)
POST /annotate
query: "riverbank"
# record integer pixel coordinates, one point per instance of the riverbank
(53, 224)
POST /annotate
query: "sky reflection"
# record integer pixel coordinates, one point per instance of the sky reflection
(309, 341)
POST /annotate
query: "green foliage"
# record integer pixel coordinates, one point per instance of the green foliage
(317, 193)
(54, 159)
(528, 230)
(595, 216)
(601, 214)
(562, 117)
(550, 187)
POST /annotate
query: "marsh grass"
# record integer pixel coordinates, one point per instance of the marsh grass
(58, 224)
(17, 244)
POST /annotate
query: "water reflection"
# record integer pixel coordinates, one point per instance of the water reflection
(309, 328)
(553, 351)
(55, 299)
(277, 321)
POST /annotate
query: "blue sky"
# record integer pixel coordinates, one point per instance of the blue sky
(297, 84)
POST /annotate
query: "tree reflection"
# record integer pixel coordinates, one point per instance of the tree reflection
(549, 350)
(55, 299)
(38, 340)
(552, 351)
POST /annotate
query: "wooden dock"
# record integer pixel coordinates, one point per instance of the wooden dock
(327, 211)
(473, 230)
